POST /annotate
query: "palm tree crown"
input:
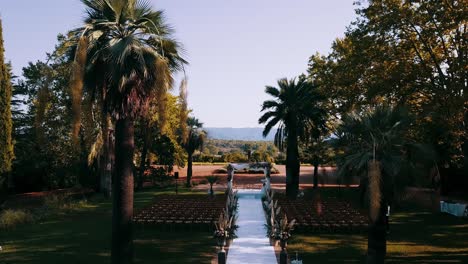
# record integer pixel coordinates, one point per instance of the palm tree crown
(127, 53)
(297, 113)
(295, 107)
(196, 135)
(381, 135)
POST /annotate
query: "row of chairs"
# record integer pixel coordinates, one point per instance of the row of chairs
(182, 212)
(323, 216)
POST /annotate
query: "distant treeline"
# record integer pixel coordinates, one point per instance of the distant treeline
(219, 150)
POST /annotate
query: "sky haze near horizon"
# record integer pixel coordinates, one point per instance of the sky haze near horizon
(235, 48)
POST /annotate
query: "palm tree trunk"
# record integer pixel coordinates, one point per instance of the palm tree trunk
(189, 169)
(107, 157)
(315, 174)
(377, 236)
(144, 152)
(122, 206)
(465, 141)
(292, 166)
(377, 239)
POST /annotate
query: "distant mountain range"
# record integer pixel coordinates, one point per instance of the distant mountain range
(235, 133)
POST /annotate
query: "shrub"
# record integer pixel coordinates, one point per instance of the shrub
(221, 170)
(274, 170)
(203, 181)
(9, 219)
(159, 176)
(60, 203)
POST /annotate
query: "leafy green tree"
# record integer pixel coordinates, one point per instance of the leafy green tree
(317, 152)
(6, 144)
(409, 53)
(375, 145)
(41, 115)
(157, 131)
(124, 56)
(434, 31)
(164, 149)
(295, 110)
(235, 156)
(150, 126)
(248, 149)
(262, 153)
(174, 108)
(195, 139)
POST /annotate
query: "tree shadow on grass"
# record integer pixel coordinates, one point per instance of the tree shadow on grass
(84, 237)
(57, 242)
(416, 236)
(329, 248)
(173, 247)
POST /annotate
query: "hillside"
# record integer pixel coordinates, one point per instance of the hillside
(234, 133)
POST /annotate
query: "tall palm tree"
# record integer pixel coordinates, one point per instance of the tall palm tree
(296, 111)
(124, 57)
(195, 139)
(376, 146)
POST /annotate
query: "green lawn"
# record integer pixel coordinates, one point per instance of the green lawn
(416, 236)
(84, 237)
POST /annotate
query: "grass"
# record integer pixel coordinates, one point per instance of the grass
(9, 219)
(84, 237)
(416, 236)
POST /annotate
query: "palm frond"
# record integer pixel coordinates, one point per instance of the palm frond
(273, 91)
(131, 54)
(267, 116)
(270, 125)
(269, 104)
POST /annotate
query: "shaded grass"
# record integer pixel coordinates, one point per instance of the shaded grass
(9, 219)
(416, 236)
(84, 237)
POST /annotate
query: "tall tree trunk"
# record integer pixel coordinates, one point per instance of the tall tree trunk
(465, 141)
(292, 166)
(103, 157)
(83, 169)
(107, 157)
(377, 236)
(122, 206)
(377, 239)
(316, 164)
(144, 153)
(189, 169)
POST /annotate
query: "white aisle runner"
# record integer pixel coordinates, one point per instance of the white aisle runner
(251, 246)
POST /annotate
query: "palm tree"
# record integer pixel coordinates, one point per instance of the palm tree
(376, 146)
(195, 140)
(296, 111)
(124, 56)
(212, 180)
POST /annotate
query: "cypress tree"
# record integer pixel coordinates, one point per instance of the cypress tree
(6, 144)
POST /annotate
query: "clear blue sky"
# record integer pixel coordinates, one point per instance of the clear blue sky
(235, 48)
